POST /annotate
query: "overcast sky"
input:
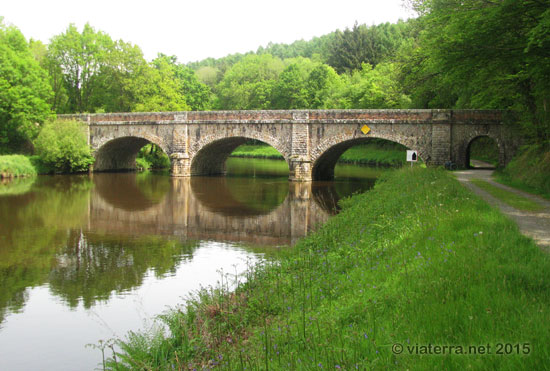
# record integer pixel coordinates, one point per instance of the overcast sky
(196, 29)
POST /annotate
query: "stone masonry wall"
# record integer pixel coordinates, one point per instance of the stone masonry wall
(199, 142)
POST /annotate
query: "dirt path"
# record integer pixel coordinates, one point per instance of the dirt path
(532, 224)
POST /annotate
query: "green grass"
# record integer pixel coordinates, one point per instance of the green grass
(374, 153)
(256, 151)
(15, 166)
(529, 170)
(418, 260)
(508, 197)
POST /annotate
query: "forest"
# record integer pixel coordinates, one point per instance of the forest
(478, 54)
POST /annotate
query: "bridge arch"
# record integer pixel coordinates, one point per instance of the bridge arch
(120, 153)
(325, 156)
(208, 155)
(467, 147)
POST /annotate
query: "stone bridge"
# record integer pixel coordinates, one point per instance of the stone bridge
(311, 141)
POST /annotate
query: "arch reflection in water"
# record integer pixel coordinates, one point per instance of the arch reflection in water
(250, 210)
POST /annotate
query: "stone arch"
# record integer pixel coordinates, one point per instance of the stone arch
(208, 155)
(464, 152)
(327, 153)
(119, 153)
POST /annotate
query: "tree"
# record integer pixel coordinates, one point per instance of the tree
(362, 44)
(291, 91)
(249, 83)
(484, 54)
(63, 146)
(24, 91)
(375, 88)
(197, 95)
(160, 90)
(80, 57)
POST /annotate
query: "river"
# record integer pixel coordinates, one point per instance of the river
(85, 259)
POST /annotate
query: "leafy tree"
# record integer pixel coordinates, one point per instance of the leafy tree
(375, 88)
(120, 78)
(24, 91)
(323, 86)
(362, 44)
(160, 90)
(58, 100)
(197, 94)
(249, 83)
(306, 84)
(63, 146)
(209, 75)
(484, 54)
(290, 91)
(80, 57)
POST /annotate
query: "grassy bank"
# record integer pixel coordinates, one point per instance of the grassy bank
(529, 170)
(374, 153)
(12, 166)
(417, 261)
(256, 151)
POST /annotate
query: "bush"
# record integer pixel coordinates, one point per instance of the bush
(63, 147)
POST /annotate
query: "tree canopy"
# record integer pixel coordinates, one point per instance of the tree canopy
(24, 91)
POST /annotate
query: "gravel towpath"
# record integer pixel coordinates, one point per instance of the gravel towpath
(532, 224)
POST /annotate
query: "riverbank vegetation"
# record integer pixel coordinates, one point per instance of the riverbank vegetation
(375, 152)
(12, 166)
(417, 261)
(529, 170)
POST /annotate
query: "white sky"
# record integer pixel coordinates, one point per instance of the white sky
(196, 29)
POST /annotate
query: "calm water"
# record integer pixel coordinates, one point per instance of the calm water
(84, 259)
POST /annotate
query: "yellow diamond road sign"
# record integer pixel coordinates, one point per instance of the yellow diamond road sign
(365, 129)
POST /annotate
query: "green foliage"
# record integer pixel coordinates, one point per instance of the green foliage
(305, 84)
(63, 146)
(529, 170)
(24, 91)
(197, 94)
(15, 165)
(401, 264)
(484, 149)
(80, 58)
(375, 88)
(249, 83)
(151, 156)
(362, 44)
(159, 88)
(483, 54)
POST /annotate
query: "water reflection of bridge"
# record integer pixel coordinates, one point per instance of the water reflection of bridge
(208, 208)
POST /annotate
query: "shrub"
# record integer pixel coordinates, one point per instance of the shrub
(63, 147)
